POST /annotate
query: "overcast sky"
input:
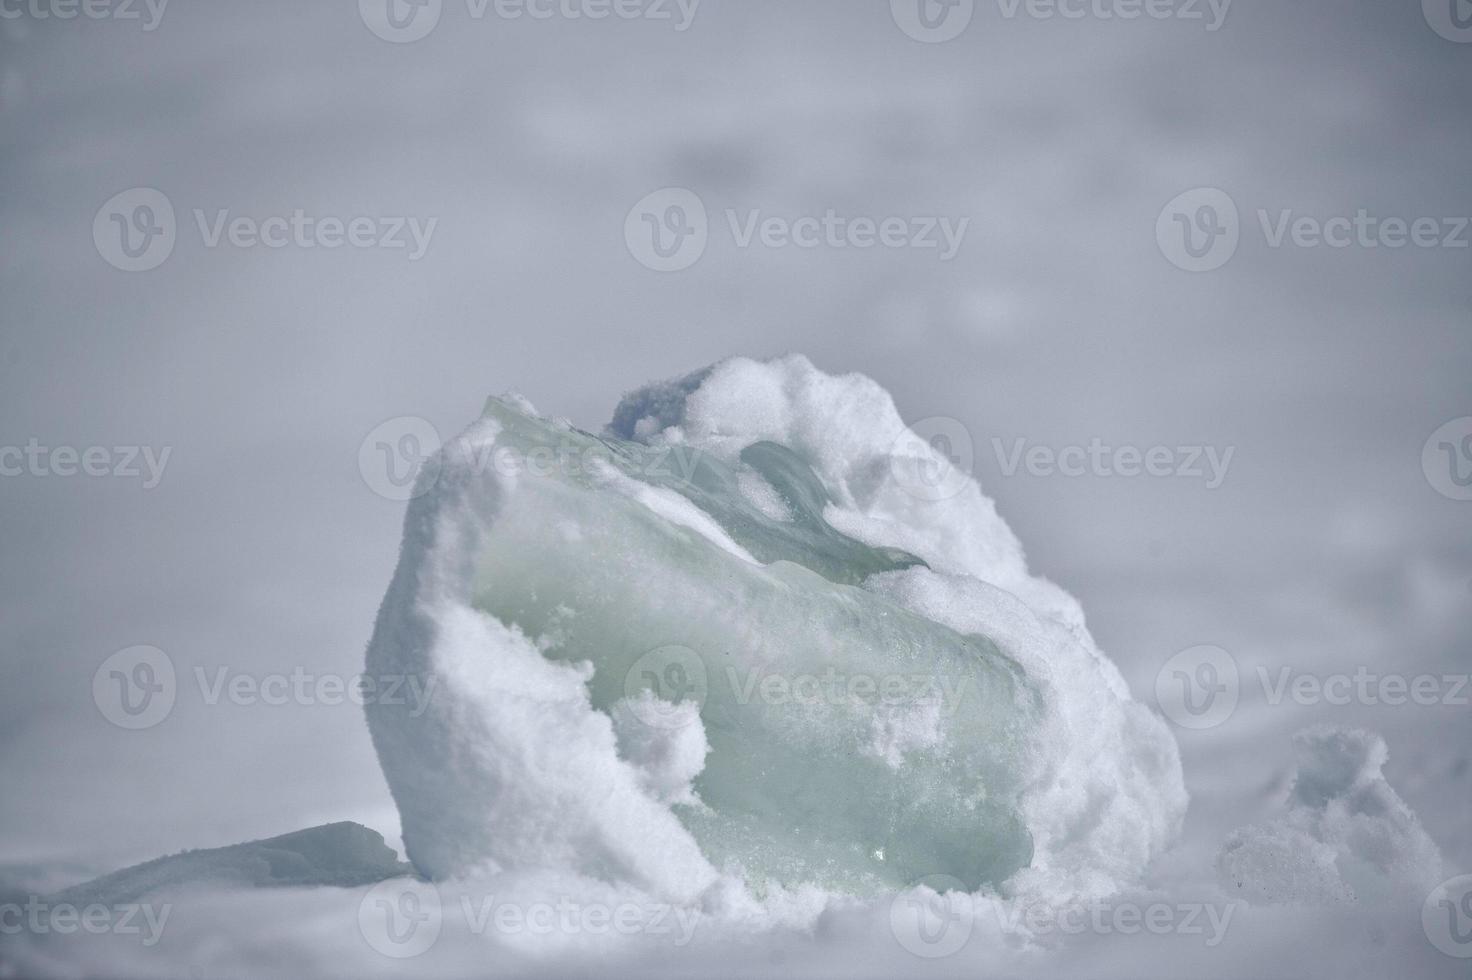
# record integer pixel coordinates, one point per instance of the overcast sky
(1061, 319)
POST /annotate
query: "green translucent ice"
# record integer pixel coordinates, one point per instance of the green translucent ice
(852, 743)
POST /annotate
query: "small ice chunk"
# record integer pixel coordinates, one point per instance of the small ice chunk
(342, 854)
(1347, 833)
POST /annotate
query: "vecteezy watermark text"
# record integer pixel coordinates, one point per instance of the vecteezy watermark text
(1212, 13)
(406, 21)
(669, 685)
(937, 21)
(936, 918)
(123, 462)
(1128, 462)
(39, 917)
(1207, 920)
(1200, 687)
(833, 689)
(302, 230)
(1200, 230)
(402, 458)
(403, 917)
(149, 13)
(302, 687)
(137, 688)
(833, 230)
(1364, 686)
(669, 229)
(136, 230)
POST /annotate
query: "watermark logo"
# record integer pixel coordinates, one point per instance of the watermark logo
(400, 21)
(1452, 19)
(392, 457)
(1446, 917)
(673, 674)
(934, 918)
(932, 21)
(401, 918)
(667, 230)
(1446, 459)
(135, 688)
(933, 459)
(1199, 230)
(1198, 688)
(135, 231)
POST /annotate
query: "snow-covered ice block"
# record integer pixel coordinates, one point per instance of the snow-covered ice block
(737, 632)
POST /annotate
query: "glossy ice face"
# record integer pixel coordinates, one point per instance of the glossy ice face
(852, 743)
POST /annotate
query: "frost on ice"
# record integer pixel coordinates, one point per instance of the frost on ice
(728, 636)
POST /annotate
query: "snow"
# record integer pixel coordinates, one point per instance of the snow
(1347, 834)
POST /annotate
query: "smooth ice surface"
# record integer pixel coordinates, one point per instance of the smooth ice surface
(851, 742)
(661, 654)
